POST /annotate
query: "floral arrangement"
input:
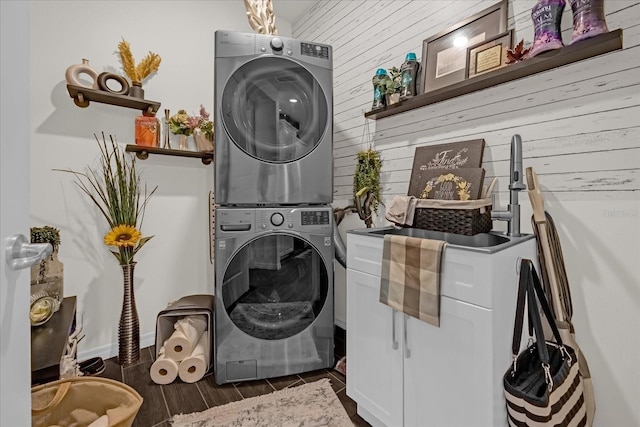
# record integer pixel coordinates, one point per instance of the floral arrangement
(116, 190)
(182, 123)
(137, 73)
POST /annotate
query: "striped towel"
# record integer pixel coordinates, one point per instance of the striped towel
(410, 279)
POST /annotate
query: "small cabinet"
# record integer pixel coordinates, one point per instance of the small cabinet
(405, 372)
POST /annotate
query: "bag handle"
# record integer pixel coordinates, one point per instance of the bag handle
(546, 308)
(520, 309)
(528, 287)
(60, 394)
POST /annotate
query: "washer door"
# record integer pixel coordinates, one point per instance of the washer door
(275, 286)
(274, 109)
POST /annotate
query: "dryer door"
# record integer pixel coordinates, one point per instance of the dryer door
(275, 286)
(274, 110)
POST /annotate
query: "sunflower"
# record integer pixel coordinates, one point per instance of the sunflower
(116, 189)
(122, 236)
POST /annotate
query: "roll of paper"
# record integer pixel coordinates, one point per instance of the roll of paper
(184, 339)
(163, 370)
(194, 367)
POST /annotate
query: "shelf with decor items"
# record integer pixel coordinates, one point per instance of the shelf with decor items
(49, 342)
(598, 45)
(142, 152)
(82, 95)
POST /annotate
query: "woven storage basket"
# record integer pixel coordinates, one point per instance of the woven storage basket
(453, 216)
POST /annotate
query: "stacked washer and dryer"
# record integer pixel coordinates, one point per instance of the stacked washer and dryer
(274, 223)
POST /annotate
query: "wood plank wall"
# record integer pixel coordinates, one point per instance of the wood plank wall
(579, 123)
(580, 126)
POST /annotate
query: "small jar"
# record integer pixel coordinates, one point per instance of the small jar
(147, 131)
(72, 75)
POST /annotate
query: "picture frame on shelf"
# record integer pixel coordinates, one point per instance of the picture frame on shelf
(489, 55)
(444, 55)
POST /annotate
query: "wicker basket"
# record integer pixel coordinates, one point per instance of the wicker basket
(460, 217)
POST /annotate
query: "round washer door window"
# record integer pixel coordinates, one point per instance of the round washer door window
(275, 286)
(274, 109)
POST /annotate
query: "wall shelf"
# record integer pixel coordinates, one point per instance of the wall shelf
(82, 95)
(142, 153)
(585, 49)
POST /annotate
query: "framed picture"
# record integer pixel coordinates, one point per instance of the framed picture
(444, 56)
(489, 55)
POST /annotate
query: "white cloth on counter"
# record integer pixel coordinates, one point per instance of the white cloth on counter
(184, 339)
(164, 370)
(194, 367)
(401, 209)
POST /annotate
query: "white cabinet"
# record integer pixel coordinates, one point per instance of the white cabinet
(405, 372)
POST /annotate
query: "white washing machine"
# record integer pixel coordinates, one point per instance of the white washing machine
(274, 292)
(273, 116)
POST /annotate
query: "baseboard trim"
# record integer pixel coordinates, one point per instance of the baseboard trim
(111, 350)
(340, 322)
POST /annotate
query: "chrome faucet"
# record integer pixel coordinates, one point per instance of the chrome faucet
(516, 184)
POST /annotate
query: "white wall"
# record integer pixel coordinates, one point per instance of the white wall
(580, 126)
(176, 261)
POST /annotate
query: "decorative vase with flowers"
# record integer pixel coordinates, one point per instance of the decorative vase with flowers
(179, 124)
(203, 132)
(199, 126)
(137, 73)
(116, 189)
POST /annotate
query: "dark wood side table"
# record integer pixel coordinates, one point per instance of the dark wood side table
(49, 342)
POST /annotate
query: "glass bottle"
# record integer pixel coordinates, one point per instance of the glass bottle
(147, 131)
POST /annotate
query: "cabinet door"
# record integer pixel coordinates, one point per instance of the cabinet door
(447, 377)
(374, 372)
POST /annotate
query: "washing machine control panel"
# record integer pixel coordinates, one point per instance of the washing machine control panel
(315, 217)
(314, 50)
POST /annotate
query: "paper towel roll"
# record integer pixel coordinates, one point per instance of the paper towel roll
(163, 370)
(194, 367)
(184, 339)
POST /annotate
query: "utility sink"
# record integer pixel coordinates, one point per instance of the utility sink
(482, 242)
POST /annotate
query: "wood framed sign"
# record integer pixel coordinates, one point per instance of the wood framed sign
(449, 184)
(454, 155)
(489, 55)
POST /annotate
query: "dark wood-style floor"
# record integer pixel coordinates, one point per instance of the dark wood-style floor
(161, 402)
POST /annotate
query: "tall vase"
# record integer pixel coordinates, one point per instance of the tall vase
(129, 330)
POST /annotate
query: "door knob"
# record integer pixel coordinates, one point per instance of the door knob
(22, 254)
